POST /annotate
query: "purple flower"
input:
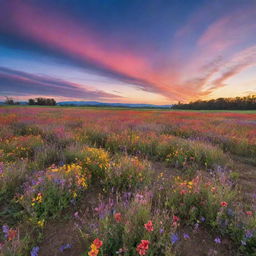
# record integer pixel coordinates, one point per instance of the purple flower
(174, 238)
(217, 240)
(5, 230)
(34, 251)
(186, 236)
(59, 181)
(230, 212)
(34, 182)
(248, 234)
(64, 247)
(161, 230)
(203, 219)
(1, 167)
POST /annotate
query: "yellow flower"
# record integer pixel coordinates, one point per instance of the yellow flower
(40, 223)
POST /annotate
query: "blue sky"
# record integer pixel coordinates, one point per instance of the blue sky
(138, 51)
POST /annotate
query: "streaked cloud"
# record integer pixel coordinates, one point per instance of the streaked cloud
(18, 83)
(212, 45)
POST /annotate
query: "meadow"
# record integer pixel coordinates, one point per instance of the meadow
(91, 181)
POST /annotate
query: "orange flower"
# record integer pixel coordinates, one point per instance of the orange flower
(93, 253)
(117, 216)
(224, 204)
(12, 234)
(149, 226)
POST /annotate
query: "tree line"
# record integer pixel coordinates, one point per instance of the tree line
(237, 103)
(42, 102)
(36, 101)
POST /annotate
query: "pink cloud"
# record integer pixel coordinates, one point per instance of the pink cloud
(184, 79)
(230, 30)
(239, 62)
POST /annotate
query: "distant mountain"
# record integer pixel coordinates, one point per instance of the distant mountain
(20, 102)
(104, 104)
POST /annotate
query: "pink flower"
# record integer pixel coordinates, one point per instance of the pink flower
(149, 226)
(175, 218)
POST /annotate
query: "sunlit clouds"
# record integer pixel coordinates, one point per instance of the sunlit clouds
(204, 48)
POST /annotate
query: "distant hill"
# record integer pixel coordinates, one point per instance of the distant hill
(104, 104)
(20, 103)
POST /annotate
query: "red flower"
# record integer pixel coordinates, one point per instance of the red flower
(224, 204)
(142, 247)
(98, 243)
(183, 192)
(149, 226)
(141, 251)
(249, 213)
(117, 216)
(175, 218)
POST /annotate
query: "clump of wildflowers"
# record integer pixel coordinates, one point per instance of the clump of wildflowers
(9, 233)
(50, 191)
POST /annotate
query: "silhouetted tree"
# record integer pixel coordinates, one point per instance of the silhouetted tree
(31, 102)
(10, 101)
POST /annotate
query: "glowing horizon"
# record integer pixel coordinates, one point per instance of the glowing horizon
(127, 51)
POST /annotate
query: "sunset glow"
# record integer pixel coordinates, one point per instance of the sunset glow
(142, 51)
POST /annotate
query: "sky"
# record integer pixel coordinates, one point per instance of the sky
(130, 51)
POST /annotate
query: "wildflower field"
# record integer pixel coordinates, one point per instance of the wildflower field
(85, 181)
